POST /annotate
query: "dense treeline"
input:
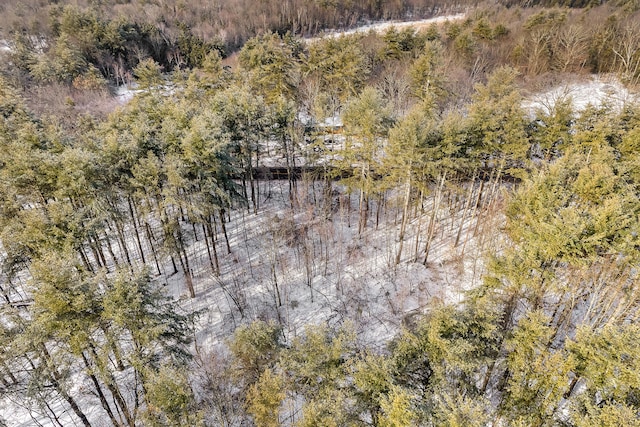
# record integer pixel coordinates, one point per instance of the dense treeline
(72, 60)
(99, 214)
(80, 46)
(233, 21)
(60, 41)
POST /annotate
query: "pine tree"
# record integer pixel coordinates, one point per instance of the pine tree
(264, 399)
(366, 121)
(170, 400)
(340, 68)
(397, 411)
(271, 64)
(255, 348)
(498, 124)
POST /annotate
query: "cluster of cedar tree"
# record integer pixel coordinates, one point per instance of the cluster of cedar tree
(93, 208)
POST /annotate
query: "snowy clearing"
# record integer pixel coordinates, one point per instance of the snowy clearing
(596, 90)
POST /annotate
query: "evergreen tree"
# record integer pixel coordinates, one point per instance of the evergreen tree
(264, 399)
(498, 125)
(366, 120)
(271, 63)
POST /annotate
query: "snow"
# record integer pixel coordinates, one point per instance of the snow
(383, 27)
(125, 93)
(5, 46)
(352, 278)
(596, 90)
(326, 273)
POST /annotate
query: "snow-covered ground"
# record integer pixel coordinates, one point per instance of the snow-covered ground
(596, 90)
(383, 27)
(326, 273)
(125, 93)
(310, 266)
(5, 46)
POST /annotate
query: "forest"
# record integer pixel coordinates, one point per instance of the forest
(284, 223)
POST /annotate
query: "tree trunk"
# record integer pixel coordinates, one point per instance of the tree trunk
(85, 260)
(94, 252)
(363, 203)
(96, 384)
(224, 230)
(417, 243)
(55, 381)
(184, 263)
(8, 373)
(103, 259)
(135, 228)
(112, 386)
(432, 222)
(405, 216)
(110, 249)
(123, 243)
(465, 209)
(208, 234)
(150, 239)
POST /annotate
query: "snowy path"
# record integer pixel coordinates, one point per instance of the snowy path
(383, 27)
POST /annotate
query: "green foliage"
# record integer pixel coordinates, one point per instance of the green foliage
(62, 64)
(66, 305)
(397, 410)
(367, 115)
(420, 148)
(328, 411)
(607, 415)
(448, 349)
(339, 65)
(170, 401)
(316, 361)
(255, 347)
(207, 78)
(402, 43)
(264, 399)
(552, 131)
(194, 50)
(136, 307)
(427, 76)
(366, 121)
(465, 46)
(539, 376)
(575, 212)
(272, 65)
(461, 411)
(607, 359)
(148, 74)
(628, 152)
(546, 18)
(498, 124)
(318, 366)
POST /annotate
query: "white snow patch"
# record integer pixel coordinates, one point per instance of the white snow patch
(125, 93)
(383, 27)
(5, 46)
(596, 91)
